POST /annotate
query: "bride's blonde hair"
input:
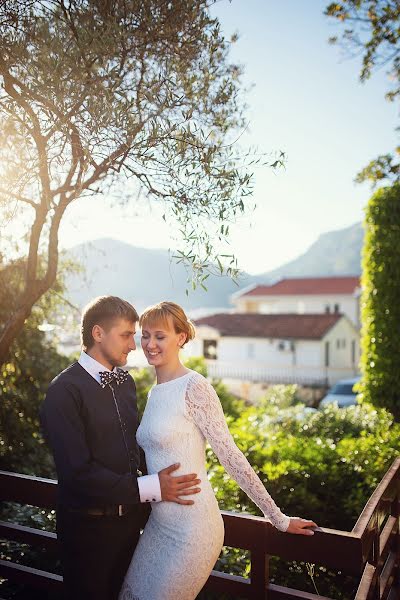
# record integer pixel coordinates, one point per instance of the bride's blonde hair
(160, 313)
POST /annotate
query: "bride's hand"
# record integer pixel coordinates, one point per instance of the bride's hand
(300, 526)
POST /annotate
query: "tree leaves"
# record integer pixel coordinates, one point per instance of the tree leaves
(374, 33)
(95, 94)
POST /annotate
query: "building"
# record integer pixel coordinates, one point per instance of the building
(309, 349)
(302, 295)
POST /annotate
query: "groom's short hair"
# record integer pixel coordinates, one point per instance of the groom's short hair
(104, 311)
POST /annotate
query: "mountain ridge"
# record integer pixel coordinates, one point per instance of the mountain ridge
(145, 276)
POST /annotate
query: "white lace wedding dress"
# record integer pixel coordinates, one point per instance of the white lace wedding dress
(180, 544)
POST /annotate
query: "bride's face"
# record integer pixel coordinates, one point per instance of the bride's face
(161, 343)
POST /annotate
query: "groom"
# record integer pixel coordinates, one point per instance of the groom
(89, 418)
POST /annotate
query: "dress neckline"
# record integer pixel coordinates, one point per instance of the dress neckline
(158, 385)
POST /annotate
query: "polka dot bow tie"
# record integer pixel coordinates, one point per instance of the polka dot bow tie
(118, 376)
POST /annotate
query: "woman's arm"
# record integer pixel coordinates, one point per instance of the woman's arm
(204, 408)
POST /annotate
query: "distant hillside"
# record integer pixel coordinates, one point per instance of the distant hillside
(334, 253)
(145, 276)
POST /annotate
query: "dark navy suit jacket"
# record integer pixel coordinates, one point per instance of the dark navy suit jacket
(95, 466)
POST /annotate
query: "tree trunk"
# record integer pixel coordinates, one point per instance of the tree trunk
(11, 329)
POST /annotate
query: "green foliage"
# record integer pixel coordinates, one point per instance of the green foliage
(372, 31)
(322, 465)
(197, 363)
(144, 380)
(384, 167)
(380, 307)
(33, 362)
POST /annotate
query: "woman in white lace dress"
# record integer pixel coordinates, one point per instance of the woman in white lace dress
(181, 543)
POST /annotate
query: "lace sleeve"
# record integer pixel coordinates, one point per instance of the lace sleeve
(204, 408)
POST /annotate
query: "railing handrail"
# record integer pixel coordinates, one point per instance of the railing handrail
(348, 551)
(371, 506)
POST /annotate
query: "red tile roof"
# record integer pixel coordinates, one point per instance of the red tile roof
(306, 285)
(283, 326)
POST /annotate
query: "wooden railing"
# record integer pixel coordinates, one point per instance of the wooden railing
(371, 551)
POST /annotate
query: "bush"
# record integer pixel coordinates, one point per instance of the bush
(380, 306)
(322, 466)
(24, 379)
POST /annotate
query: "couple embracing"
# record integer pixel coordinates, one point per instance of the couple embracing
(111, 468)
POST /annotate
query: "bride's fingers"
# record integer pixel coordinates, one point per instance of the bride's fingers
(305, 523)
(304, 531)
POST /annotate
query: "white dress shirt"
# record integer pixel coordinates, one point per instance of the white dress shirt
(149, 485)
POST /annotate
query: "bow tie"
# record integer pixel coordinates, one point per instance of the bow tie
(118, 376)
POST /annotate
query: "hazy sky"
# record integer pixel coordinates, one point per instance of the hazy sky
(306, 101)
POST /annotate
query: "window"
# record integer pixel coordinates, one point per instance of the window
(353, 351)
(286, 345)
(210, 349)
(336, 308)
(327, 309)
(327, 354)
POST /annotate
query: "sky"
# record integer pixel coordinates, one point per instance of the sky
(306, 100)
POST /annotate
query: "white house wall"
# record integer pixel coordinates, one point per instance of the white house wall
(348, 304)
(260, 359)
(308, 353)
(340, 338)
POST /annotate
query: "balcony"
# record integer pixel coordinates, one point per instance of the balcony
(260, 373)
(371, 551)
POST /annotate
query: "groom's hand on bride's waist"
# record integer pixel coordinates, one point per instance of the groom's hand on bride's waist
(173, 487)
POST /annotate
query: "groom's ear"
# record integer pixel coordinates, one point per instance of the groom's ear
(97, 333)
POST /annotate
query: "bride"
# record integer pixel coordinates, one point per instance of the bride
(181, 543)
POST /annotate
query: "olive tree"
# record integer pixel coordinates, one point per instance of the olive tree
(96, 93)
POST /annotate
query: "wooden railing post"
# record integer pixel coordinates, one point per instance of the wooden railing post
(396, 514)
(375, 557)
(259, 574)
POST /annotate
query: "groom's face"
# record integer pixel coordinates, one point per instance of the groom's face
(116, 341)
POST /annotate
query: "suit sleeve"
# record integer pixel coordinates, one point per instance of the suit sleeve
(64, 430)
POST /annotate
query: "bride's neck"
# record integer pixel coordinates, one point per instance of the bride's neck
(170, 371)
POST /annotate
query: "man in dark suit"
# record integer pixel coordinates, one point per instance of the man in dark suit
(89, 418)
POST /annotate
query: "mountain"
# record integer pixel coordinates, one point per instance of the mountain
(334, 253)
(145, 276)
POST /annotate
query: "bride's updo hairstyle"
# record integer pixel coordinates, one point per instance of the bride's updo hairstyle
(159, 315)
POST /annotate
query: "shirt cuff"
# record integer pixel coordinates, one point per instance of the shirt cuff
(149, 488)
